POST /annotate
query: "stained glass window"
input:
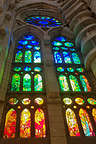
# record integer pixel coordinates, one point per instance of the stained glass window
(63, 83)
(76, 58)
(40, 129)
(57, 57)
(38, 86)
(86, 124)
(28, 57)
(27, 83)
(18, 57)
(85, 83)
(25, 124)
(72, 123)
(67, 58)
(15, 85)
(94, 114)
(37, 57)
(10, 124)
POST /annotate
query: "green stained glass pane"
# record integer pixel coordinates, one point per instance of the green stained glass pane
(80, 69)
(55, 48)
(55, 43)
(91, 101)
(37, 69)
(18, 57)
(27, 82)
(70, 69)
(69, 44)
(15, 85)
(74, 83)
(28, 57)
(66, 57)
(37, 57)
(27, 68)
(75, 58)
(85, 83)
(63, 83)
(38, 86)
(60, 69)
(17, 69)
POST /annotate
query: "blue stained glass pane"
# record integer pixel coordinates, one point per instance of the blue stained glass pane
(37, 57)
(69, 44)
(19, 47)
(27, 68)
(36, 48)
(34, 42)
(29, 37)
(72, 49)
(57, 57)
(28, 46)
(66, 57)
(76, 58)
(55, 43)
(61, 38)
(43, 22)
(55, 48)
(64, 48)
(23, 42)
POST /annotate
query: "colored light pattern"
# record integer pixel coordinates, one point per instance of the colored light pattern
(39, 101)
(36, 48)
(69, 44)
(18, 57)
(72, 123)
(15, 85)
(28, 57)
(64, 48)
(85, 83)
(27, 68)
(74, 83)
(26, 101)
(17, 69)
(27, 82)
(61, 38)
(80, 69)
(72, 49)
(19, 47)
(57, 57)
(67, 101)
(86, 124)
(34, 42)
(75, 58)
(91, 101)
(13, 101)
(28, 46)
(37, 57)
(63, 83)
(94, 114)
(38, 86)
(40, 128)
(70, 69)
(66, 57)
(43, 21)
(10, 124)
(37, 69)
(25, 124)
(60, 69)
(23, 42)
(55, 48)
(79, 101)
(55, 43)
(29, 37)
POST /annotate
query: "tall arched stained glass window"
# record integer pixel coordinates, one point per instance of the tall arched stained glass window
(63, 83)
(28, 57)
(10, 124)
(72, 123)
(85, 83)
(15, 85)
(38, 84)
(40, 128)
(27, 83)
(86, 123)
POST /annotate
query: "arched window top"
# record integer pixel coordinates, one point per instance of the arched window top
(38, 83)
(63, 83)
(27, 82)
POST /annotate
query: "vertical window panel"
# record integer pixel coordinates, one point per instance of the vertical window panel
(75, 58)
(10, 124)
(18, 57)
(94, 114)
(86, 124)
(27, 82)
(40, 128)
(85, 83)
(25, 124)
(37, 57)
(72, 123)
(15, 85)
(38, 86)
(28, 56)
(66, 57)
(57, 57)
(63, 83)
(74, 83)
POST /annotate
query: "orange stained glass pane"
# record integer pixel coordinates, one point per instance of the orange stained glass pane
(25, 124)
(94, 113)
(10, 124)
(40, 128)
(72, 123)
(86, 124)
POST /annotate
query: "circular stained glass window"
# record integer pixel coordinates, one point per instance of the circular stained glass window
(91, 101)
(67, 101)
(26, 101)
(79, 101)
(39, 101)
(42, 21)
(60, 69)
(13, 101)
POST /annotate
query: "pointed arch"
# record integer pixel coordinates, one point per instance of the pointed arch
(85, 83)
(40, 127)
(72, 123)
(15, 85)
(27, 82)
(10, 124)
(86, 124)
(25, 124)
(38, 83)
(63, 83)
